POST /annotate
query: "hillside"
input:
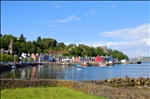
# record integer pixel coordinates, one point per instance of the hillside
(144, 59)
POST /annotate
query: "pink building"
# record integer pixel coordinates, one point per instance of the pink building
(35, 57)
(76, 59)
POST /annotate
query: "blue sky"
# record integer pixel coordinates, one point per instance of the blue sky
(123, 25)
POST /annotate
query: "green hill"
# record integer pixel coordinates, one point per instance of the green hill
(144, 59)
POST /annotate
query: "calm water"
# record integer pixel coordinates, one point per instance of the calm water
(87, 73)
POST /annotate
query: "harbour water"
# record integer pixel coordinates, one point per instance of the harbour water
(86, 73)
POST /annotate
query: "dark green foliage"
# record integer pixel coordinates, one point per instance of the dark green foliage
(119, 55)
(6, 58)
(44, 45)
(22, 38)
(39, 40)
(31, 59)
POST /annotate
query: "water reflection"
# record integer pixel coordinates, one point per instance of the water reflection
(71, 72)
(48, 72)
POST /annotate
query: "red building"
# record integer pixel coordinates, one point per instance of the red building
(98, 59)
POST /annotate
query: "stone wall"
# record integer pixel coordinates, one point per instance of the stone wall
(90, 88)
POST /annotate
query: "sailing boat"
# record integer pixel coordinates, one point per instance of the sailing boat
(14, 65)
(139, 59)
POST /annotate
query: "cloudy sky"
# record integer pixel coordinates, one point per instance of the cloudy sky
(123, 25)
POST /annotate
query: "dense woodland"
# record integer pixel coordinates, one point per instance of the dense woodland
(44, 45)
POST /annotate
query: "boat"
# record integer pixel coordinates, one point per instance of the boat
(138, 62)
(103, 64)
(84, 64)
(14, 65)
(139, 59)
(79, 67)
(63, 64)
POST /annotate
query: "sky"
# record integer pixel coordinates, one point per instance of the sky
(119, 25)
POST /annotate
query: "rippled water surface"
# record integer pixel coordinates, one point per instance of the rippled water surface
(86, 73)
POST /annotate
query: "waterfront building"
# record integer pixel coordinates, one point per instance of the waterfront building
(65, 59)
(41, 58)
(23, 55)
(33, 56)
(98, 59)
(45, 57)
(77, 59)
(111, 60)
(50, 58)
(123, 61)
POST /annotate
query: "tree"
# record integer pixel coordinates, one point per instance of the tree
(31, 59)
(2, 57)
(39, 50)
(5, 40)
(99, 51)
(1, 35)
(17, 47)
(38, 40)
(25, 59)
(16, 58)
(48, 42)
(24, 47)
(22, 38)
(10, 58)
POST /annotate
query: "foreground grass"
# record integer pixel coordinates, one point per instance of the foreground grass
(45, 93)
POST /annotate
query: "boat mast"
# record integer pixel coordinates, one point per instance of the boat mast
(139, 57)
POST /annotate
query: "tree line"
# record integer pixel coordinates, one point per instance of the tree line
(43, 45)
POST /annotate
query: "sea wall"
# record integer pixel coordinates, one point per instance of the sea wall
(107, 91)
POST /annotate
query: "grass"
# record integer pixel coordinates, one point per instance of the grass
(45, 93)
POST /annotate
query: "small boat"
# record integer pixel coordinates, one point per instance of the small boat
(79, 68)
(78, 65)
(40, 65)
(64, 64)
(138, 62)
(84, 64)
(13, 66)
(139, 58)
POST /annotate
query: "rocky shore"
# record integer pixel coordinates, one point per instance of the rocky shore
(115, 88)
(122, 82)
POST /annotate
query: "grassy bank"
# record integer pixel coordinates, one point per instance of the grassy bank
(45, 93)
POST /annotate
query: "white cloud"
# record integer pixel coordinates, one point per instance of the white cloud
(139, 32)
(91, 12)
(130, 40)
(71, 18)
(55, 5)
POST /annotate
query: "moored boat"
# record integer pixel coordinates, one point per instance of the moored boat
(84, 64)
(13, 66)
(139, 59)
(103, 64)
(138, 62)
